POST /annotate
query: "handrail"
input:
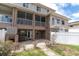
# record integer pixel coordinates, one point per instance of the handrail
(24, 21)
(29, 22)
(38, 23)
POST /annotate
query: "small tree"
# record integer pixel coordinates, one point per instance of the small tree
(6, 48)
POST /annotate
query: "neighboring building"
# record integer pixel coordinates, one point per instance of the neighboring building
(30, 21)
(58, 23)
(74, 26)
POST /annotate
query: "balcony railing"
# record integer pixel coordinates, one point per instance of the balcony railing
(38, 23)
(5, 19)
(29, 22)
(24, 21)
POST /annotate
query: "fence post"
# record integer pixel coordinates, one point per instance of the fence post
(53, 38)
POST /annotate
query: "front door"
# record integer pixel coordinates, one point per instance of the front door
(25, 35)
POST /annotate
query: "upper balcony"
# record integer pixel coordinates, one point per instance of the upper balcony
(38, 23)
(5, 19)
(56, 22)
(33, 7)
(24, 18)
(29, 22)
(5, 16)
(24, 21)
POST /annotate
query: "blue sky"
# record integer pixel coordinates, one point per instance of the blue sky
(70, 10)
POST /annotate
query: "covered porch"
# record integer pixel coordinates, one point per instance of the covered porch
(27, 35)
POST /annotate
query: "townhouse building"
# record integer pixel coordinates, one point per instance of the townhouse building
(30, 21)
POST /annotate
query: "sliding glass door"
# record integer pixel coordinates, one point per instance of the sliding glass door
(25, 35)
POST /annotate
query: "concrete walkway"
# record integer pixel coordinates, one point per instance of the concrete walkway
(41, 44)
(46, 50)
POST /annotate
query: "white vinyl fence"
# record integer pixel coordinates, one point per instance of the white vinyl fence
(2, 34)
(66, 37)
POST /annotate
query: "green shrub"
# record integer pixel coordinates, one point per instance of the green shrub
(6, 48)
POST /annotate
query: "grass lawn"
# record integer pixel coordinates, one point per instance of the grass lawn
(32, 52)
(66, 50)
(74, 47)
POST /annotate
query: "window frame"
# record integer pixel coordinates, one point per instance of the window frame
(38, 9)
(26, 5)
(58, 21)
(21, 15)
(53, 21)
(63, 22)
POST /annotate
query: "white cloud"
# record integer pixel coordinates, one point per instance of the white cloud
(51, 5)
(74, 4)
(73, 20)
(57, 7)
(76, 15)
(63, 4)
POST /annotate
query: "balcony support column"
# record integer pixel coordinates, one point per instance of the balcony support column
(14, 22)
(47, 35)
(33, 27)
(14, 17)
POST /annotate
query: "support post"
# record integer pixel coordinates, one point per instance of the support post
(34, 41)
(14, 22)
(33, 27)
(47, 30)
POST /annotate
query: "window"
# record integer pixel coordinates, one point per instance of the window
(6, 16)
(37, 18)
(29, 16)
(10, 20)
(25, 33)
(28, 34)
(42, 19)
(63, 22)
(25, 15)
(71, 25)
(26, 5)
(38, 8)
(24, 18)
(21, 14)
(6, 19)
(58, 21)
(66, 30)
(52, 20)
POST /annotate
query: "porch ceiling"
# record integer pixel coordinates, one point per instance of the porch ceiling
(5, 9)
